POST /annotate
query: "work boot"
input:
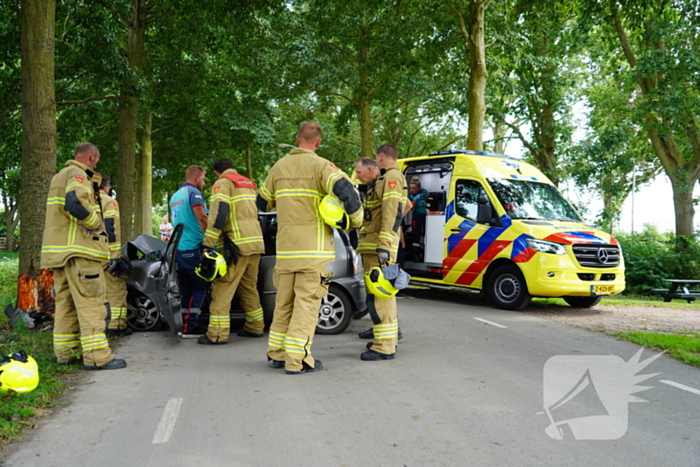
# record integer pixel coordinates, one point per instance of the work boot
(277, 363)
(368, 334)
(204, 340)
(119, 332)
(318, 366)
(374, 356)
(71, 361)
(113, 364)
(243, 333)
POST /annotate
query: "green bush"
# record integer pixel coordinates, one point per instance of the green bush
(651, 256)
(9, 265)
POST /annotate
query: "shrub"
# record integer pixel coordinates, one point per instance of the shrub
(651, 256)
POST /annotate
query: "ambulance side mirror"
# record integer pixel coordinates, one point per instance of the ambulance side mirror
(485, 214)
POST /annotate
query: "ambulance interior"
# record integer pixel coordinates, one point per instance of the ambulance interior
(435, 177)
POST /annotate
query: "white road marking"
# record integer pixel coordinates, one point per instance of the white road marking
(680, 386)
(491, 323)
(167, 421)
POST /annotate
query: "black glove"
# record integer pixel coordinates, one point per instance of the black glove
(343, 223)
(230, 251)
(383, 257)
(125, 264)
(114, 267)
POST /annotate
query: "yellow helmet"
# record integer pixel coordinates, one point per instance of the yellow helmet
(212, 266)
(18, 372)
(333, 213)
(386, 282)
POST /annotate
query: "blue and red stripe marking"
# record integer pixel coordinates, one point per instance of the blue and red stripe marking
(568, 238)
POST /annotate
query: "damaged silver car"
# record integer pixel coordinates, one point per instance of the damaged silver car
(153, 289)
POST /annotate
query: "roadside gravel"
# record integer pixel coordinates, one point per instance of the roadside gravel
(616, 318)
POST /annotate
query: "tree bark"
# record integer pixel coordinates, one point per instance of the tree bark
(38, 125)
(128, 116)
(147, 173)
(364, 103)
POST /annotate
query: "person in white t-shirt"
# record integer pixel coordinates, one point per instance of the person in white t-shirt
(166, 229)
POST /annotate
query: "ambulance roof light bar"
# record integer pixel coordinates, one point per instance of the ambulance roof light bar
(449, 152)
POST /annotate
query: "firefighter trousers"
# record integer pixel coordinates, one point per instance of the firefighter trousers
(241, 277)
(294, 322)
(116, 297)
(385, 323)
(81, 311)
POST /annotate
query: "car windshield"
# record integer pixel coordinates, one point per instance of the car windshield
(523, 199)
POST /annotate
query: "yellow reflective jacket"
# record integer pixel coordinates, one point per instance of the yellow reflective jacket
(384, 203)
(232, 211)
(74, 226)
(110, 208)
(294, 187)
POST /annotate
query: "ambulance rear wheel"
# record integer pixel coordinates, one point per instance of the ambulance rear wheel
(507, 288)
(582, 302)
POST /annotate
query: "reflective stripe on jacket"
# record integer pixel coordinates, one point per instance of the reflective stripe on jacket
(232, 211)
(384, 204)
(294, 187)
(110, 208)
(74, 226)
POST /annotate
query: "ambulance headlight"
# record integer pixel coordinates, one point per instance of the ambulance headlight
(543, 246)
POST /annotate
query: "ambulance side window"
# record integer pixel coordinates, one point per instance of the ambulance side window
(467, 194)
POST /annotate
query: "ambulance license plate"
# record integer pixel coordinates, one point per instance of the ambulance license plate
(602, 289)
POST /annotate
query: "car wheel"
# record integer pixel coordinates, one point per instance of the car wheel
(142, 314)
(335, 313)
(582, 302)
(507, 288)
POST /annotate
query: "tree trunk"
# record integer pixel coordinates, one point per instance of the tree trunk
(128, 113)
(683, 205)
(477, 77)
(249, 162)
(147, 173)
(138, 193)
(38, 125)
(364, 103)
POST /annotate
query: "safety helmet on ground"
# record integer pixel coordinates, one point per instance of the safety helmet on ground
(386, 282)
(333, 213)
(212, 266)
(18, 372)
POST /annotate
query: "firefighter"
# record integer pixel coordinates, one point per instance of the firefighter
(294, 187)
(378, 245)
(118, 269)
(233, 226)
(75, 247)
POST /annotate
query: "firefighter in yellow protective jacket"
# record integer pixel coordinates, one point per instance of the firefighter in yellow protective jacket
(379, 244)
(75, 247)
(294, 187)
(118, 269)
(233, 226)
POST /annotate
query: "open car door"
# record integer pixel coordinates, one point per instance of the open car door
(168, 287)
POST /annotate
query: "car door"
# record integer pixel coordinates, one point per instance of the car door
(168, 289)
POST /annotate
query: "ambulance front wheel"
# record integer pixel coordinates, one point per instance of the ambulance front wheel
(507, 288)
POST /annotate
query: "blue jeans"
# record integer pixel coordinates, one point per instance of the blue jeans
(193, 289)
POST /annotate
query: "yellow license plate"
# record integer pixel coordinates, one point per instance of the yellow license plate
(602, 289)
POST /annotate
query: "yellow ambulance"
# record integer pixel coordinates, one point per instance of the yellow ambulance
(497, 225)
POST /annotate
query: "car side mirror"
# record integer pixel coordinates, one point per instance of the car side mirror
(486, 214)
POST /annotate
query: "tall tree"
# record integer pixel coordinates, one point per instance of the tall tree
(38, 125)
(659, 40)
(473, 32)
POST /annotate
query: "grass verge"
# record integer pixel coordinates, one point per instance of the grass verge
(684, 347)
(18, 411)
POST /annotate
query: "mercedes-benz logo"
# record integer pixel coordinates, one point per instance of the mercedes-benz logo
(603, 255)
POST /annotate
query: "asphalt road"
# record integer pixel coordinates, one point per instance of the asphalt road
(460, 392)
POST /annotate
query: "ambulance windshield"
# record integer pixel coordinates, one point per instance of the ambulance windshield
(523, 199)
